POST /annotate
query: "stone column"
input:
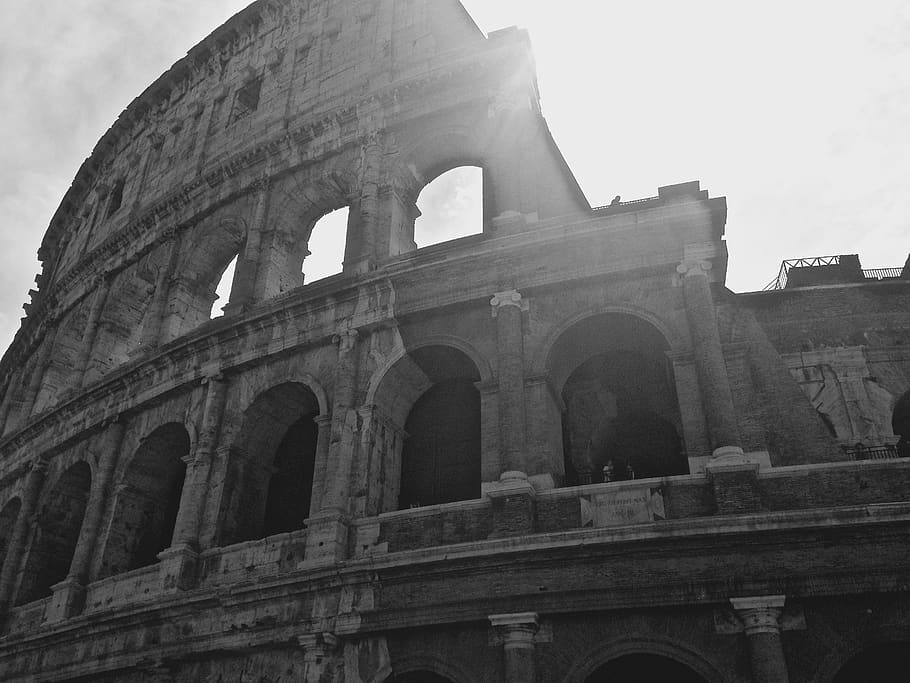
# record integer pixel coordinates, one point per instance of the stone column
(11, 387)
(15, 550)
(516, 633)
(323, 439)
(34, 382)
(69, 595)
(760, 617)
(318, 652)
(327, 530)
(179, 561)
(360, 254)
(507, 308)
(154, 320)
(91, 331)
(246, 286)
(723, 430)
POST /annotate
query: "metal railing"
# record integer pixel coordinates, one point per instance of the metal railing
(781, 280)
(882, 273)
(628, 203)
(885, 452)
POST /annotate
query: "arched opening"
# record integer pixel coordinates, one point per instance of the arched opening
(621, 417)
(115, 200)
(8, 517)
(883, 663)
(223, 289)
(644, 667)
(324, 255)
(451, 206)
(900, 425)
(56, 533)
(272, 463)
(147, 501)
(441, 455)
(418, 677)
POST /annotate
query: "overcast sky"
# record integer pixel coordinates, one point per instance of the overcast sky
(797, 111)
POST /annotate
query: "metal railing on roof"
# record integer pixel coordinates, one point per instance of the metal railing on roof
(781, 280)
(628, 203)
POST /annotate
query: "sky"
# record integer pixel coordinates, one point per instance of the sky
(797, 111)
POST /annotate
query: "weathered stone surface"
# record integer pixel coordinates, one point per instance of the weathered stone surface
(281, 494)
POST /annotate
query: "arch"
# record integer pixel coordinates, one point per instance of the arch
(147, 500)
(8, 516)
(884, 662)
(204, 255)
(603, 654)
(296, 205)
(900, 424)
(450, 207)
(477, 358)
(428, 395)
(441, 667)
(541, 359)
(621, 418)
(325, 243)
(56, 533)
(272, 464)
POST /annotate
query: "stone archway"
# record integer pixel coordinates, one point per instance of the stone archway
(880, 663)
(621, 418)
(272, 462)
(147, 501)
(56, 533)
(644, 667)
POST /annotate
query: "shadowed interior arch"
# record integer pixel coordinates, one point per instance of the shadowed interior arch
(272, 461)
(621, 417)
(644, 667)
(438, 406)
(56, 533)
(147, 501)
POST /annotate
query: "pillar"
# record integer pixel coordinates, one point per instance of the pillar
(516, 632)
(152, 332)
(360, 253)
(507, 308)
(15, 551)
(318, 652)
(717, 396)
(178, 562)
(69, 595)
(760, 617)
(246, 286)
(327, 531)
(91, 331)
(11, 387)
(323, 439)
(38, 370)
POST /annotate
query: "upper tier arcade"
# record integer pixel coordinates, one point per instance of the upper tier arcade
(290, 110)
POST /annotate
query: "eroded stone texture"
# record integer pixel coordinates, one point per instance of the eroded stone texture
(554, 450)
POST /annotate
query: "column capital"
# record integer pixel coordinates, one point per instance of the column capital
(690, 268)
(317, 646)
(345, 339)
(516, 630)
(760, 614)
(509, 297)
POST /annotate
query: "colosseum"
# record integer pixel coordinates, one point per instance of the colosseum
(558, 450)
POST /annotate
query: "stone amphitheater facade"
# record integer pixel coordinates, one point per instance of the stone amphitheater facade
(556, 450)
